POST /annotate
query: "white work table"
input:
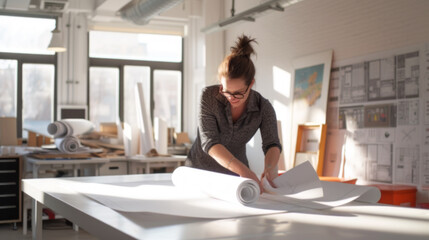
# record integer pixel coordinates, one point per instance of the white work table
(351, 221)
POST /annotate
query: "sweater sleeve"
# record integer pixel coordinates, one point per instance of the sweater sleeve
(208, 126)
(268, 127)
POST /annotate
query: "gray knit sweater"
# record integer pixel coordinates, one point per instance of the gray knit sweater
(216, 127)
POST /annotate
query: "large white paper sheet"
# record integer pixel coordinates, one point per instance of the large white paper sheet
(334, 194)
(301, 182)
(163, 197)
(297, 188)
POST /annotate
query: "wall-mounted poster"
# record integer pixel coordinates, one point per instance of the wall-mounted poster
(310, 90)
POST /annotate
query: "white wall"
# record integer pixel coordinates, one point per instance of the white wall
(350, 28)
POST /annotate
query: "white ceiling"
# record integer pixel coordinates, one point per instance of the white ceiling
(97, 10)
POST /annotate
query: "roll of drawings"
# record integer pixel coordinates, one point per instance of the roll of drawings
(217, 185)
(58, 129)
(70, 127)
(68, 144)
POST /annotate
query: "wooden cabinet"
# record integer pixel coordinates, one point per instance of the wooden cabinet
(10, 189)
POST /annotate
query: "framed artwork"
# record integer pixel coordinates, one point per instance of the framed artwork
(310, 90)
(311, 85)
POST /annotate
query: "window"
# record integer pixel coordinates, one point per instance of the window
(136, 46)
(25, 34)
(154, 60)
(133, 75)
(168, 94)
(38, 92)
(104, 94)
(8, 82)
(27, 69)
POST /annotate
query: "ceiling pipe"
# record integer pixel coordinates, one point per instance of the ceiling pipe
(142, 11)
(250, 14)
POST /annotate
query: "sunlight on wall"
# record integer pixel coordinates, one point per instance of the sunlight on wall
(283, 115)
(355, 159)
(281, 81)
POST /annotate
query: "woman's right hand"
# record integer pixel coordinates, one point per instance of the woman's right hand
(249, 174)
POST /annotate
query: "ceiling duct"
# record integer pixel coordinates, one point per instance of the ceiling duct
(249, 15)
(53, 5)
(142, 11)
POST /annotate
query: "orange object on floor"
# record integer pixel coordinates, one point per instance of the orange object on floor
(401, 195)
(337, 179)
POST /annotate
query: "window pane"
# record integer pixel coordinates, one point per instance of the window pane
(8, 80)
(37, 92)
(136, 46)
(167, 97)
(25, 34)
(103, 94)
(133, 75)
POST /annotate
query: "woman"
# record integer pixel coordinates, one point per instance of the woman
(230, 115)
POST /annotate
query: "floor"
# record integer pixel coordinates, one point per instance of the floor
(52, 230)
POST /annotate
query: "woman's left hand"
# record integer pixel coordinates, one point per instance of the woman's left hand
(270, 172)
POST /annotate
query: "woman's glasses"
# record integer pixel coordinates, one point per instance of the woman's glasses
(235, 95)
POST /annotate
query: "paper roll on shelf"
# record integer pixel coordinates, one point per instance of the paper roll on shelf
(144, 122)
(217, 185)
(70, 127)
(68, 144)
(161, 135)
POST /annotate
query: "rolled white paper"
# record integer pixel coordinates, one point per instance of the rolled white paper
(70, 127)
(161, 135)
(217, 185)
(144, 122)
(68, 144)
(58, 129)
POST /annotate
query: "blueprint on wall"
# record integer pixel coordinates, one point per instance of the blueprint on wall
(381, 102)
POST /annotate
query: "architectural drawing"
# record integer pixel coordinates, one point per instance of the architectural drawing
(408, 112)
(379, 165)
(407, 165)
(381, 79)
(353, 84)
(407, 74)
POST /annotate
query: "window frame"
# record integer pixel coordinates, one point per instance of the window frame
(26, 58)
(30, 59)
(121, 63)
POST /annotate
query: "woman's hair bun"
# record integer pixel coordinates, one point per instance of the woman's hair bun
(243, 47)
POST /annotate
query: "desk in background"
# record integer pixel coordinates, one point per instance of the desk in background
(136, 164)
(351, 221)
